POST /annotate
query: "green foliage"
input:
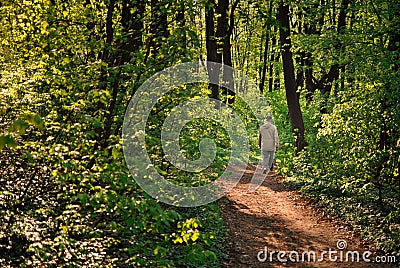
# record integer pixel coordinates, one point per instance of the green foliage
(7, 140)
(67, 71)
(189, 139)
(66, 195)
(19, 128)
(350, 166)
(340, 167)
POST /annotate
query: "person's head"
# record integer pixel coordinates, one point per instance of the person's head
(268, 118)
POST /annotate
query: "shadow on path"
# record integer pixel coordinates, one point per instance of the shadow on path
(274, 218)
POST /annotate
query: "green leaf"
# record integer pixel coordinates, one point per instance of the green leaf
(20, 126)
(115, 153)
(7, 140)
(35, 120)
(210, 255)
(3, 142)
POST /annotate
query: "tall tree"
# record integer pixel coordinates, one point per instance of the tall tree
(159, 26)
(117, 52)
(389, 134)
(326, 82)
(225, 25)
(211, 47)
(296, 118)
(267, 30)
(218, 43)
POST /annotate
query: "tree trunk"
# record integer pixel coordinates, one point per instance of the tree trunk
(327, 81)
(228, 72)
(266, 48)
(271, 82)
(224, 31)
(264, 64)
(296, 118)
(211, 46)
(180, 18)
(219, 47)
(310, 85)
(223, 46)
(159, 27)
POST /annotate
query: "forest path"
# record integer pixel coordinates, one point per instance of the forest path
(278, 218)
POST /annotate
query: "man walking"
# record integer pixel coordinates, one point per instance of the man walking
(268, 142)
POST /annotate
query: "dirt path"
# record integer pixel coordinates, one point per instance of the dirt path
(274, 218)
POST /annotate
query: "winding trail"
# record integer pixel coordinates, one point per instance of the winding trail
(277, 219)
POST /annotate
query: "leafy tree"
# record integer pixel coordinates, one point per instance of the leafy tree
(295, 115)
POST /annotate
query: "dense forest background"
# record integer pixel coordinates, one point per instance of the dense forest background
(329, 70)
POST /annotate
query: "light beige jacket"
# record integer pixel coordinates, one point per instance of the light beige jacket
(268, 139)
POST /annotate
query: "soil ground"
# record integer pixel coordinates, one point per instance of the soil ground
(275, 218)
